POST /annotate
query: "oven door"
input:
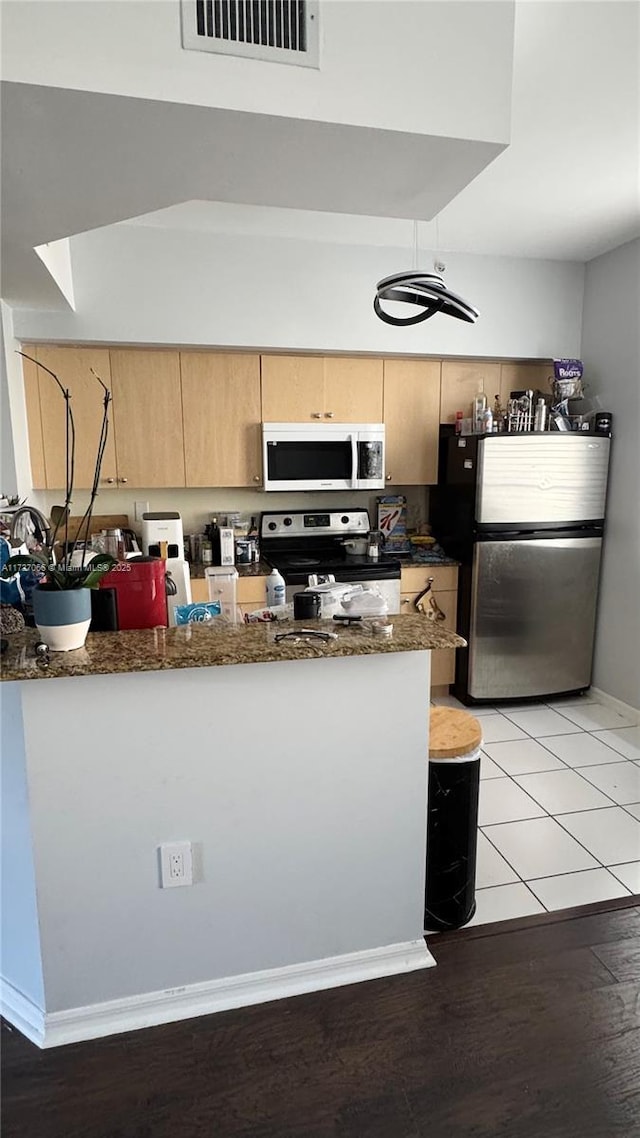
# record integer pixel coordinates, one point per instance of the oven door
(299, 457)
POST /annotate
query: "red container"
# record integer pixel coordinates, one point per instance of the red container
(142, 594)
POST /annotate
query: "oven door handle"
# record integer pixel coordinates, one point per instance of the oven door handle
(354, 460)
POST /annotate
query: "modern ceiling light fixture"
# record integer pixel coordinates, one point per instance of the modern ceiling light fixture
(427, 290)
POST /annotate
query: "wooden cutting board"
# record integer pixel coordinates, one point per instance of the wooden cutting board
(98, 522)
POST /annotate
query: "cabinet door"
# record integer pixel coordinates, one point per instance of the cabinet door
(411, 402)
(147, 408)
(73, 368)
(443, 660)
(353, 389)
(221, 411)
(461, 381)
(34, 420)
(522, 377)
(292, 388)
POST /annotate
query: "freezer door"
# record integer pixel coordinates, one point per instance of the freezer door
(533, 610)
(537, 479)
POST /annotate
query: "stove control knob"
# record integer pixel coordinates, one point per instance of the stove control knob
(345, 519)
(288, 521)
(272, 526)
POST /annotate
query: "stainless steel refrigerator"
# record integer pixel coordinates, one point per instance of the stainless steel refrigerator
(524, 514)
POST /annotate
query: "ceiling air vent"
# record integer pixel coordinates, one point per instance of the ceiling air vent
(282, 31)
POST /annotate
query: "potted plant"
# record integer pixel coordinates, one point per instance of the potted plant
(62, 599)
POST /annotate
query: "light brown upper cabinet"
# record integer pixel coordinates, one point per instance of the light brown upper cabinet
(353, 389)
(34, 421)
(461, 382)
(73, 368)
(221, 410)
(524, 377)
(411, 405)
(339, 389)
(147, 406)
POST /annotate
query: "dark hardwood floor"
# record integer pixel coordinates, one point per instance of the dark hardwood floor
(528, 1030)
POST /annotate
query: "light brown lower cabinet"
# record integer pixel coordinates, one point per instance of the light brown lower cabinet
(251, 592)
(445, 591)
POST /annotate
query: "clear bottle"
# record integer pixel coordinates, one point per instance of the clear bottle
(479, 408)
(540, 421)
(487, 421)
(276, 589)
(459, 418)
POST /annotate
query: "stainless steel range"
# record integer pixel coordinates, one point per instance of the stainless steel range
(317, 544)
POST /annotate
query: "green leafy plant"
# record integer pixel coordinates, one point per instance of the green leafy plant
(64, 576)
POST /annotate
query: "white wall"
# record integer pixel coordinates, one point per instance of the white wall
(196, 507)
(134, 48)
(16, 462)
(21, 960)
(8, 476)
(611, 353)
(309, 842)
(141, 284)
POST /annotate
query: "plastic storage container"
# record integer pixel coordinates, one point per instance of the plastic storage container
(222, 586)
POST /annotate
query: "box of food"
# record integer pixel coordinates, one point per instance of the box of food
(392, 522)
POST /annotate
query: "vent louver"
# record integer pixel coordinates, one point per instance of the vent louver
(282, 31)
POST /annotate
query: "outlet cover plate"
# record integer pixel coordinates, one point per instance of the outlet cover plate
(176, 864)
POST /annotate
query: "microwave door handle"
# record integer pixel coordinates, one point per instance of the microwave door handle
(354, 461)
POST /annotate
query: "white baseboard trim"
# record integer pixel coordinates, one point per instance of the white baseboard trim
(20, 1011)
(616, 704)
(153, 1008)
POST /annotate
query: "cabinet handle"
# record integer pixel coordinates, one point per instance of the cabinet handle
(122, 480)
(406, 601)
(110, 481)
(256, 478)
(388, 477)
(316, 415)
(328, 414)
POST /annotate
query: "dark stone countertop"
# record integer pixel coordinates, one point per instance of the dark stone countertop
(218, 644)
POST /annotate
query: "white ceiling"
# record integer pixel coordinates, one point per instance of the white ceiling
(567, 187)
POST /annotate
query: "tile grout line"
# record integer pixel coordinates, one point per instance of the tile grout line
(562, 872)
(585, 780)
(538, 739)
(566, 733)
(506, 885)
(511, 867)
(567, 831)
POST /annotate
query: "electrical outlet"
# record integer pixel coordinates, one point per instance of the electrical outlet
(140, 508)
(176, 864)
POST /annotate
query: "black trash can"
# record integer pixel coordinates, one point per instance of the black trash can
(455, 738)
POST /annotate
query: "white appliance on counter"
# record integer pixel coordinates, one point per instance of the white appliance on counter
(323, 456)
(310, 548)
(162, 536)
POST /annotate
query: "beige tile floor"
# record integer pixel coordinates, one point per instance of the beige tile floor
(559, 812)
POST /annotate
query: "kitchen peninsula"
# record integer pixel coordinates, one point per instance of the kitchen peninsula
(279, 762)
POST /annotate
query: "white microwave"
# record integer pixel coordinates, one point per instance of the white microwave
(319, 456)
